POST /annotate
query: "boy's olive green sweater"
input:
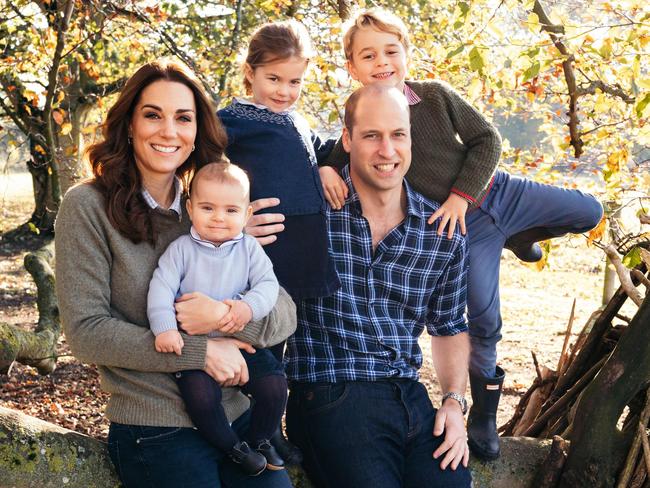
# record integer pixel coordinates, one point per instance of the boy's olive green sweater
(454, 148)
(102, 281)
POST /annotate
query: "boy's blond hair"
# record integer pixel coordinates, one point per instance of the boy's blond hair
(378, 19)
(222, 171)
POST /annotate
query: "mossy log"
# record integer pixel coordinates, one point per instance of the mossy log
(35, 348)
(37, 453)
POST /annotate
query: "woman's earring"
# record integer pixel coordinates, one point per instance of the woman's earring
(129, 139)
(193, 147)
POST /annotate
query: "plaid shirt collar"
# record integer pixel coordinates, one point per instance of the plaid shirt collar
(176, 203)
(411, 97)
(414, 203)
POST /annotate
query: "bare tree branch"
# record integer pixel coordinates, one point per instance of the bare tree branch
(624, 275)
(614, 90)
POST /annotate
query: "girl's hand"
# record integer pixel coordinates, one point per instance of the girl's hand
(335, 189)
(236, 319)
(197, 313)
(224, 362)
(169, 341)
(264, 226)
(451, 212)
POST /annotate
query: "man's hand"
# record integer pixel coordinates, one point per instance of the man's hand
(236, 319)
(264, 226)
(169, 341)
(224, 362)
(451, 212)
(451, 421)
(335, 189)
(197, 313)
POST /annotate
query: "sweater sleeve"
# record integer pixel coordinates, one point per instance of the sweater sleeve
(481, 138)
(83, 270)
(263, 285)
(322, 148)
(163, 288)
(337, 158)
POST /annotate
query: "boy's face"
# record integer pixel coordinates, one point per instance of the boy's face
(218, 210)
(377, 57)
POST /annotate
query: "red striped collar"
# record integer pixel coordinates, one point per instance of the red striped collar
(411, 97)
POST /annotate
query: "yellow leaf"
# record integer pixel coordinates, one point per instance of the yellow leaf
(60, 96)
(532, 22)
(66, 128)
(39, 149)
(597, 232)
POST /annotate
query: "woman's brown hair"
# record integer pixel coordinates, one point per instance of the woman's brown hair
(277, 41)
(112, 159)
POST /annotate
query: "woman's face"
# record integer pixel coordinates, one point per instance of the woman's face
(163, 128)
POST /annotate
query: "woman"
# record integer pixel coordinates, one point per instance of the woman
(109, 235)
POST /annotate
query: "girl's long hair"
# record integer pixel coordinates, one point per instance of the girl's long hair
(113, 162)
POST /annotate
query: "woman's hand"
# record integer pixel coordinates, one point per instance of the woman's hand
(197, 313)
(451, 212)
(264, 226)
(225, 363)
(334, 188)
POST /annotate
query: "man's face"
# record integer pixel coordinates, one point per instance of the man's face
(377, 57)
(379, 144)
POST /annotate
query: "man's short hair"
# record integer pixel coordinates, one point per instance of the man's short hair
(375, 90)
(377, 19)
(222, 171)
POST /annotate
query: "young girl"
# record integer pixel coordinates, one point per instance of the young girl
(275, 146)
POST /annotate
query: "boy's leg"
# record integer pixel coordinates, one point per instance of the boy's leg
(483, 305)
(268, 387)
(202, 397)
(527, 211)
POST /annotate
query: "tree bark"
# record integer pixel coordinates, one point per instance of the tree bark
(35, 348)
(598, 447)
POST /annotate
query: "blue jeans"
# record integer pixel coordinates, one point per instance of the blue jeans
(362, 434)
(176, 457)
(513, 205)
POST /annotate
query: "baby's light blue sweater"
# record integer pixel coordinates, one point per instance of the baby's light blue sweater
(237, 269)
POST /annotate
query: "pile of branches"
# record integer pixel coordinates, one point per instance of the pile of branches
(549, 407)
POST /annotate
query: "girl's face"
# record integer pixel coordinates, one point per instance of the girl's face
(277, 85)
(163, 128)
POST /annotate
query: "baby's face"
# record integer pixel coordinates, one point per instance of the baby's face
(219, 210)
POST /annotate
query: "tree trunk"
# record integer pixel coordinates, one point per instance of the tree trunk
(37, 453)
(35, 348)
(598, 447)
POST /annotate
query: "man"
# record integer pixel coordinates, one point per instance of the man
(356, 408)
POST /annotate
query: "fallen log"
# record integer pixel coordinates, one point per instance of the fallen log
(37, 453)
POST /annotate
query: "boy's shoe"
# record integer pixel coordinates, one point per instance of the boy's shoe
(291, 454)
(273, 460)
(251, 462)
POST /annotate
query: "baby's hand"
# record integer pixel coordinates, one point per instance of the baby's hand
(169, 341)
(451, 212)
(335, 189)
(235, 320)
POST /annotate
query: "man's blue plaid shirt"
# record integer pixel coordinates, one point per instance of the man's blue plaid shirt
(368, 330)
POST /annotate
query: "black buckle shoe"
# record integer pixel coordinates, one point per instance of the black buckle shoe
(273, 460)
(291, 454)
(251, 462)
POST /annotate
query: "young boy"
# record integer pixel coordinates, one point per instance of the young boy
(218, 260)
(455, 156)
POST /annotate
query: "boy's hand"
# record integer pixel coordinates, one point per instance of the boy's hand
(451, 212)
(335, 189)
(169, 341)
(239, 315)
